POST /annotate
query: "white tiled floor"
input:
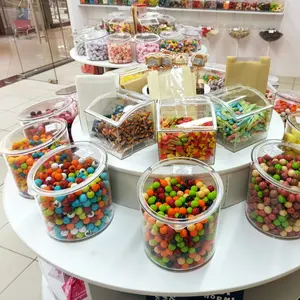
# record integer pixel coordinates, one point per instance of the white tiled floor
(20, 276)
(19, 271)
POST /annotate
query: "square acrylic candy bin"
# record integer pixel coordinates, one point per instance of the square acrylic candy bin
(187, 128)
(243, 116)
(122, 121)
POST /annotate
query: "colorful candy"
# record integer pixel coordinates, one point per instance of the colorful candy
(119, 48)
(199, 144)
(73, 191)
(145, 44)
(24, 146)
(239, 32)
(292, 129)
(273, 204)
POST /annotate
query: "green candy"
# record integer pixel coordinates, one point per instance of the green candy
(189, 261)
(194, 203)
(295, 165)
(176, 215)
(153, 242)
(256, 187)
(201, 232)
(184, 140)
(90, 194)
(172, 247)
(285, 224)
(276, 177)
(168, 189)
(253, 215)
(156, 185)
(260, 194)
(181, 244)
(84, 189)
(173, 193)
(153, 207)
(178, 203)
(196, 239)
(211, 218)
(178, 238)
(173, 181)
(205, 199)
(72, 175)
(192, 250)
(82, 216)
(78, 211)
(185, 249)
(151, 200)
(155, 228)
(194, 188)
(98, 223)
(80, 235)
(281, 199)
(281, 219)
(24, 166)
(165, 259)
(161, 213)
(260, 219)
(189, 210)
(192, 193)
(278, 166)
(163, 207)
(212, 195)
(276, 222)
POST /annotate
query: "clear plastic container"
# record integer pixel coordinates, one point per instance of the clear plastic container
(121, 24)
(172, 41)
(180, 234)
(96, 45)
(187, 128)
(72, 189)
(24, 146)
(123, 122)
(79, 41)
(250, 5)
(273, 203)
(119, 48)
(243, 116)
(292, 128)
(191, 41)
(287, 102)
(147, 24)
(145, 43)
(166, 23)
(64, 107)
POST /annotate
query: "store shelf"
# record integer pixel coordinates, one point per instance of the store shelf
(192, 10)
(115, 259)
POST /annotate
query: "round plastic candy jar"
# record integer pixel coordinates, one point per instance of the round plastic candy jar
(23, 147)
(119, 48)
(166, 23)
(79, 42)
(180, 201)
(172, 41)
(96, 45)
(292, 128)
(72, 189)
(191, 42)
(273, 203)
(145, 43)
(64, 107)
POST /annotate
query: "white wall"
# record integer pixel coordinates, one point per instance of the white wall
(284, 53)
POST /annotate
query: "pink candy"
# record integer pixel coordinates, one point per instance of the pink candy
(143, 49)
(119, 53)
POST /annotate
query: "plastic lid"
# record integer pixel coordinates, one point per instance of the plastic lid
(294, 120)
(99, 34)
(83, 149)
(273, 148)
(146, 37)
(55, 106)
(166, 19)
(289, 95)
(83, 31)
(181, 167)
(232, 98)
(172, 35)
(119, 37)
(57, 127)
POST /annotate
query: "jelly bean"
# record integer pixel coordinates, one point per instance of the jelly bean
(79, 211)
(180, 248)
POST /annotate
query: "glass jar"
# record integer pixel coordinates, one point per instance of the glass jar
(180, 202)
(187, 128)
(119, 48)
(24, 146)
(123, 122)
(263, 5)
(72, 189)
(64, 107)
(191, 40)
(243, 116)
(166, 23)
(79, 42)
(172, 41)
(292, 128)
(198, 4)
(96, 45)
(145, 43)
(287, 102)
(273, 203)
(250, 5)
(210, 4)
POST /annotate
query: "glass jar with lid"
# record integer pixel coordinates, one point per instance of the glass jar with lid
(79, 41)
(172, 41)
(145, 43)
(96, 45)
(191, 41)
(119, 48)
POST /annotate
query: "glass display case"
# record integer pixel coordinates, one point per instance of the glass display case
(243, 116)
(180, 202)
(123, 122)
(186, 128)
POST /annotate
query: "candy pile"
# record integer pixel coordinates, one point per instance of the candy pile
(195, 143)
(270, 35)
(292, 129)
(80, 47)
(239, 32)
(120, 25)
(138, 128)
(185, 45)
(284, 107)
(209, 32)
(143, 49)
(238, 131)
(273, 207)
(119, 53)
(77, 213)
(96, 50)
(214, 81)
(210, 4)
(263, 6)
(175, 198)
(38, 140)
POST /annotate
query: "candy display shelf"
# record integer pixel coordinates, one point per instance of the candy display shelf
(115, 259)
(157, 8)
(233, 167)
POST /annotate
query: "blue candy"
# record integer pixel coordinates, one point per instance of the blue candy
(78, 225)
(95, 206)
(90, 226)
(104, 176)
(90, 170)
(87, 203)
(58, 210)
(83, 198)
(66, 220)
(38, 182)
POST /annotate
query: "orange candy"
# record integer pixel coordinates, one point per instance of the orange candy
(163, 229)
(183, 233)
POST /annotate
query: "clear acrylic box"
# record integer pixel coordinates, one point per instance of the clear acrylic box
(243, 116)
(187, 128)
(123, 122)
